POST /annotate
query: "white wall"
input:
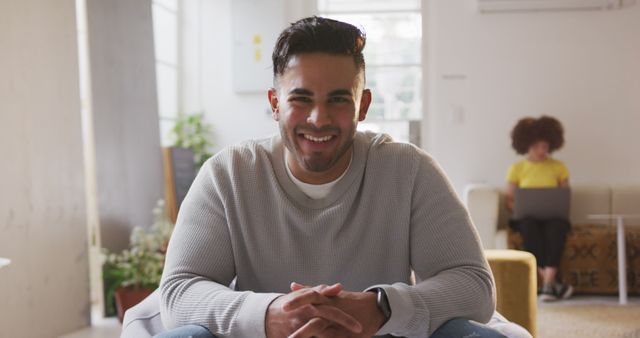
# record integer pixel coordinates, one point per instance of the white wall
(483, 73)
(486, 71)
(45, 291)
(207, 80)
(125, 116)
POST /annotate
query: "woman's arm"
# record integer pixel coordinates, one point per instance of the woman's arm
(563, 183)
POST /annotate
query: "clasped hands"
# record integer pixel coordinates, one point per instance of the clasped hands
(323, 312)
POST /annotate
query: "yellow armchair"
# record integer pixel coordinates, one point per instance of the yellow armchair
(514, 272)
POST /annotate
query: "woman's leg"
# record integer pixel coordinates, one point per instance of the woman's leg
(533, 239)
(555, 236)
(549, 275)
(555, 232)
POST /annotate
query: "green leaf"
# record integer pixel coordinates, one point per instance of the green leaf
(192, 132)
(142, 264)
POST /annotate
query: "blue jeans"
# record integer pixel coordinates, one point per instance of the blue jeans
(187, 331)
(460, 328)
(455, 328)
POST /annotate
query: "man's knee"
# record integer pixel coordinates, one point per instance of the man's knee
(187, 331)
(464, 328)
(510, 329)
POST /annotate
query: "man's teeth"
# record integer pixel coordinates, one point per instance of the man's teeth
(318, 139)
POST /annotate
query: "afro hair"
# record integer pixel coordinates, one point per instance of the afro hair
(530, 130)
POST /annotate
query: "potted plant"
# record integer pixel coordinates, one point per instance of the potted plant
(191, 131)
(133, 274)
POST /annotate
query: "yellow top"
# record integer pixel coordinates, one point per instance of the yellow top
(542, 174)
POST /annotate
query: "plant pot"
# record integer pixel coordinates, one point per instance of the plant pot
(128, 297)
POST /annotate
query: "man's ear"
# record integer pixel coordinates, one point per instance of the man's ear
(272, 94)
(365, 101)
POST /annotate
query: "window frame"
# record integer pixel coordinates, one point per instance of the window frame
(376, 121)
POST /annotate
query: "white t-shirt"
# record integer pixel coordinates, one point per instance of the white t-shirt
(315, 191)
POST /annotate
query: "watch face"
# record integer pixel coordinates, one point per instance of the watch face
(383, 303)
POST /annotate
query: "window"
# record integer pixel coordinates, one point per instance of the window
(165, 32)
(394, 61)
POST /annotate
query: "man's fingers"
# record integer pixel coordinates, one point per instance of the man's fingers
(297, 286)
(326, 290)
(331, 313)
(334, 332)
(338, 317)
(332, 290)
(318, 295)
(311, 329)
(305, 297)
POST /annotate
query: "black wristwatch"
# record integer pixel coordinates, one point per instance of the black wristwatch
(383, 303)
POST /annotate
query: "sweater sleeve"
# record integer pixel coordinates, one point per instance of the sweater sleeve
(200, 265)
(452, 274)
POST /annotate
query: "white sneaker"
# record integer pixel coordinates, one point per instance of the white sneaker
(563, 291)
(548, 294)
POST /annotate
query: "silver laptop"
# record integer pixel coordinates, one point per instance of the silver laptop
(542, 203)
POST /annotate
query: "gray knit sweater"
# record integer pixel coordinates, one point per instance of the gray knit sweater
(392, 212)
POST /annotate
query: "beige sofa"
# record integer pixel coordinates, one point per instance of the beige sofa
(589, 261)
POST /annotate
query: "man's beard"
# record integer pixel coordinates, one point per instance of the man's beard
(316, 163)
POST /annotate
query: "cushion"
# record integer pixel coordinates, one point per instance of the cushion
(515, 276)
(143, 320)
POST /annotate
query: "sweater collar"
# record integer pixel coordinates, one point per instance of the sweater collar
(353, 176)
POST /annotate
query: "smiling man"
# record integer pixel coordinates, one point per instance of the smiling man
(318, 102)
(315, 232)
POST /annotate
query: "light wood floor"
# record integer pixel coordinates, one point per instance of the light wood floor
(101, 328)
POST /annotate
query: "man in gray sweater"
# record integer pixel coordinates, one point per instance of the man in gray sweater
(315, 232)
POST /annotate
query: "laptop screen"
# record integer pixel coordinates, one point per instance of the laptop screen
(542, 203)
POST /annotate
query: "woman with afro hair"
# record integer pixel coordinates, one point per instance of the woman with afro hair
(536, 139)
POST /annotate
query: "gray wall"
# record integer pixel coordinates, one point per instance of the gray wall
(45, 291)
(126, 127)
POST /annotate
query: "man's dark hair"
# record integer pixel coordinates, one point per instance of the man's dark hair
(317, 34)
(530, 130)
